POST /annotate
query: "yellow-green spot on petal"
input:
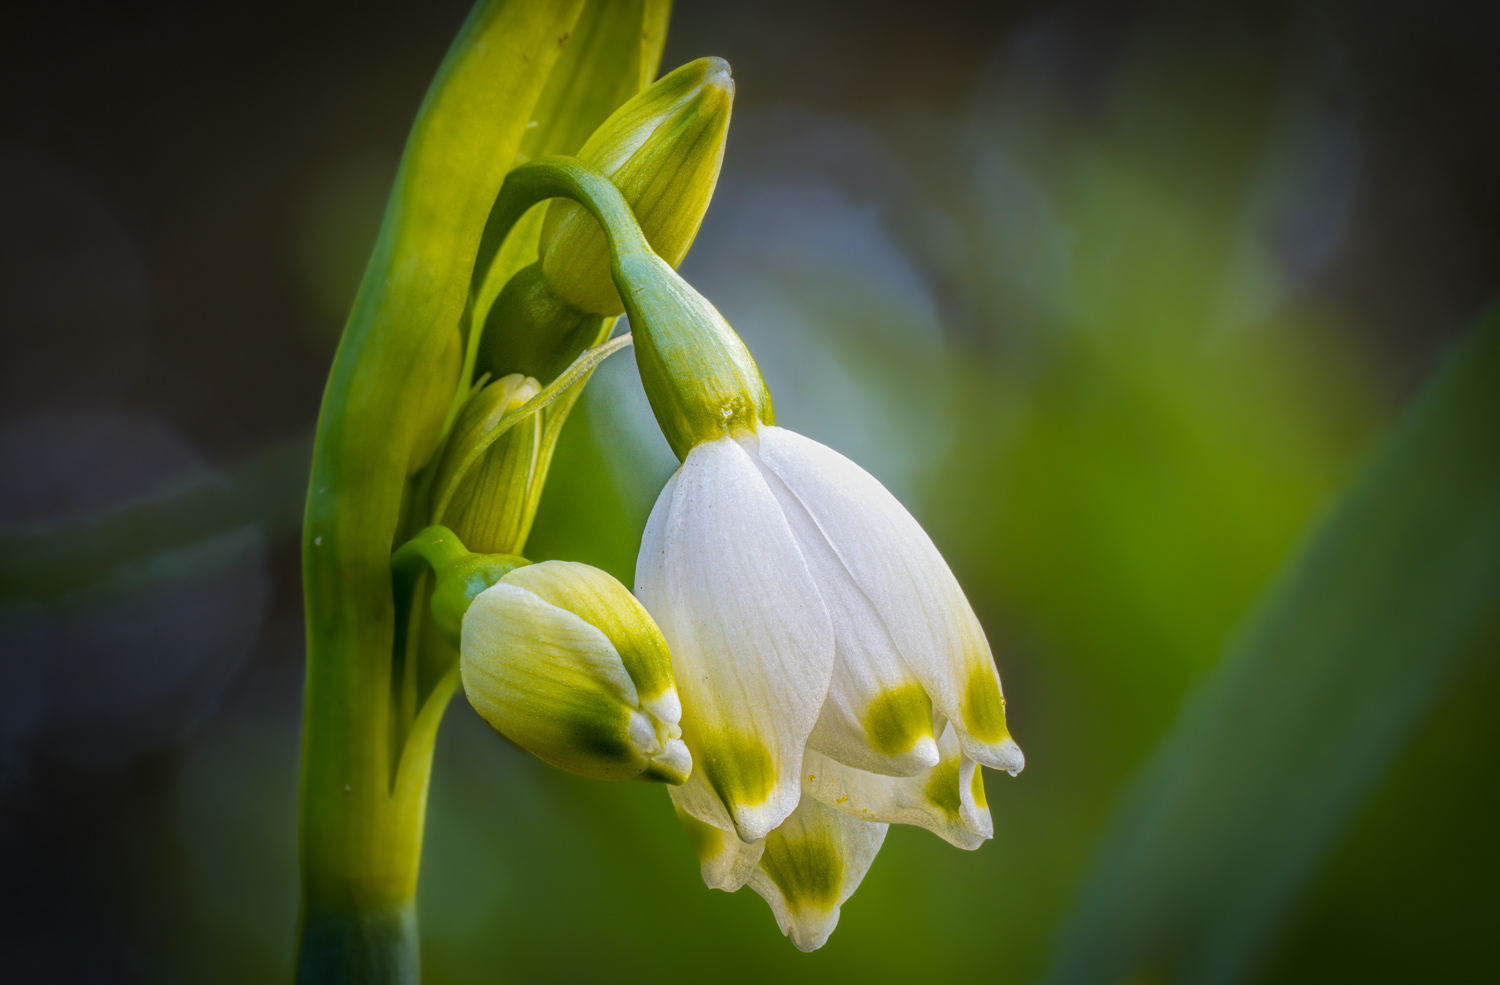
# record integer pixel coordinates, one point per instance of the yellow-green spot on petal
(707, 840)
(738, 767)
(808, 869)
(942, 787)
(897, 718)
(983, 707)
(650, 689)
(976, 787)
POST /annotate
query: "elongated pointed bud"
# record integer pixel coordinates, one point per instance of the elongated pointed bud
(663, 150)
(561, 659)
(492, 505)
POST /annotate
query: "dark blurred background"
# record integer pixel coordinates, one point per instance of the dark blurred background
(1117, 297)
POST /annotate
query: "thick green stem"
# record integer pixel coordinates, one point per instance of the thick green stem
(369, 723)
(374, 947)
(364, 797)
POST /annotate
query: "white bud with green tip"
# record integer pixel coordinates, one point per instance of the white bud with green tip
(559, 657)
(662, 149)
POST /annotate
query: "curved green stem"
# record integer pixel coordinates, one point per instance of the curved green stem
(563, 177)
(458, 574)
(699, 376)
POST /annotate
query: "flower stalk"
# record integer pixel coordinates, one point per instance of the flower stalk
(377, 685)
(833, 678)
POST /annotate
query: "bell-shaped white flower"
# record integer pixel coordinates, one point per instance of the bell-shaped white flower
(833, 676)
(561, 659)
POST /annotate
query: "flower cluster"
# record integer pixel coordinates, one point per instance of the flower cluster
(801, 665)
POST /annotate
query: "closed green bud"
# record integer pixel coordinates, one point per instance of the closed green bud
(663, 150)
(562, 660)
(494, 502)
(531, 330)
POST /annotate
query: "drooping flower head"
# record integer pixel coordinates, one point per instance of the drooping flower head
(834, 678)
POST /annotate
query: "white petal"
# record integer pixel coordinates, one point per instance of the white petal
(894, 562)
(752, 647)
(812, 864)
(877, 716)
(650, 563)
(698, 798)
(947, 800)
(672, 763)
(726, 862)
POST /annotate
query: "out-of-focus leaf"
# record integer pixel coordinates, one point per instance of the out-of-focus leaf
(268, 488)
(1310, 702)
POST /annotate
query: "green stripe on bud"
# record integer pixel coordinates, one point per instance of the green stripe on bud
(562, 660)
(663, 150)
(493, 504)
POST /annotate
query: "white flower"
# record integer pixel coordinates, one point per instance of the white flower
(833, 677)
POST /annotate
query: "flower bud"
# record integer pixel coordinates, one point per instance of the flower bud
(561, 659)
(531, 330)
(662, 149)
(494, 503)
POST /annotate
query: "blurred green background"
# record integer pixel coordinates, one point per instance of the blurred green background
(1119, 299)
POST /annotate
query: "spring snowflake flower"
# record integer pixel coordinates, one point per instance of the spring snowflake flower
(833, 676)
